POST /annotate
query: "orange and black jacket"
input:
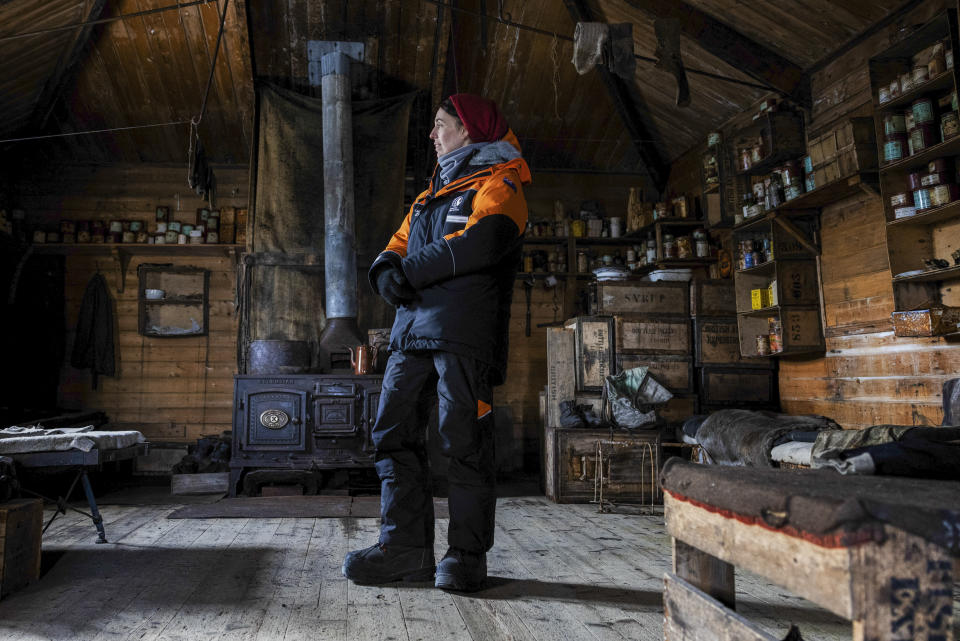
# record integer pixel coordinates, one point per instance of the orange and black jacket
(459, 247)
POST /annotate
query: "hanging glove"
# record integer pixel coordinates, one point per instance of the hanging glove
(394, 287)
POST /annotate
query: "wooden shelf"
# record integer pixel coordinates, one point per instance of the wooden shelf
(671, 222)
(862, 182)
(582, 240)
(545, 240)
(141, 249)
(938, 83)
(922, 159)
(930, 276)
(123, 252)
(762, 268)
(763, 311)
(929, 216)
(673, 263)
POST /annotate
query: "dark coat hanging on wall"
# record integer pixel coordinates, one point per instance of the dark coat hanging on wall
(93, 345)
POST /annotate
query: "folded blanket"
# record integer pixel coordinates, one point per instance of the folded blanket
(742, 437)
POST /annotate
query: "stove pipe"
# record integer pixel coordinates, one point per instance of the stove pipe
(340, 255)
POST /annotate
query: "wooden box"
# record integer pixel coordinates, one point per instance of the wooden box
(561, 365)
(717, 341)
(679, 408)
(630, 465)
(594, 351)
(641, 334)
(796, 283)
(926, 322)
(800, 330)
(737, 387)
(712, 297)
(21, 525)
(673, 372)
(641, 297)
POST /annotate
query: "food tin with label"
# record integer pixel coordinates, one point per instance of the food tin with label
(922, 110)
(883, 95)
(135, 226)
(895, 88)
(906, 81)
(949, 125)
(171, 236)
(895, 148)
(904, 212)
(162, 228)
(181, 239)
(174, 226)
(922, 136)
(921, 198)
(902, 199)
(930, 180)
(894, 123)
(128, 237)
(83, 236)
(920, 74)
(186, 228)
(116, 226)
(913, 180)
(214, 238)
(160, 239)
(944, 194)
(141, 236)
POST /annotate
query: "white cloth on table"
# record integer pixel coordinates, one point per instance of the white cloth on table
(21, 440)
(793, 452)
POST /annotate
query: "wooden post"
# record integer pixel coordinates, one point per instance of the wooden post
(706, 572)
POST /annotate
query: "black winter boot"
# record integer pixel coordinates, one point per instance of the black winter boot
(461, 571)
(386, 564)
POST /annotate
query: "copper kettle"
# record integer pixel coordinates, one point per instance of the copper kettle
(363, 359)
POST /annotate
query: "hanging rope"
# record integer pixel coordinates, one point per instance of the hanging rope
(555, 56)
(213, 65)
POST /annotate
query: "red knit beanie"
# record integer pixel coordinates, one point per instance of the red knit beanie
(480, 116)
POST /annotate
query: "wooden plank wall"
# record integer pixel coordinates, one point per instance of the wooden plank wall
(867, 375)
(171, 389)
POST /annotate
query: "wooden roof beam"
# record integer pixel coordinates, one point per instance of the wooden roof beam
(628, 105)
(63, 73)
(732, 47)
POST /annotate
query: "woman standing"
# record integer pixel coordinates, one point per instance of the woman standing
(449, 269)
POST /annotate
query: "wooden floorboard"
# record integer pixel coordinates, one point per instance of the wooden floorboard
(556, 572)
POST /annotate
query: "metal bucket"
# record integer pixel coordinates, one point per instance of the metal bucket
(279, 357)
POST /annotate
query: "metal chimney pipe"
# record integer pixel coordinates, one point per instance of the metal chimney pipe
(339, 245)
(340, 256)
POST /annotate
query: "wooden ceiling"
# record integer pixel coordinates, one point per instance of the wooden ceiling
(152, 68)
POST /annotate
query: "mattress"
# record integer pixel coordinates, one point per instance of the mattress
(22, 440)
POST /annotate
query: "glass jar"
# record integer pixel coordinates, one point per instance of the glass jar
(583, 263)
(684, 247)
(651, 251)
(702, 243)
(669, 246)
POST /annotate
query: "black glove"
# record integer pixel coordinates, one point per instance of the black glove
(394, 287)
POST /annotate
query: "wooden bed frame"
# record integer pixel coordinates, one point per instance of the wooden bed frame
(900, 589)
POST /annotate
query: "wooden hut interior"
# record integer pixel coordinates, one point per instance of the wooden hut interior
(691, 262)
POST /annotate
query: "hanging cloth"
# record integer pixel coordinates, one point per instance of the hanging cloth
(199, 173)
(93, 344)
(668, 56)
(596, 43)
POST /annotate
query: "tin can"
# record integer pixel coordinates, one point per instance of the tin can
(948, 58)
(893, 123)
(181, 239)
(895, 88)
(187, 228)
(669, 246)
(97, 238)
(920, 74)
(83, 236)
(921, 198)
(141, 236)
(922, 109)
(68, 227)
(684, 247)
(616, 227)
(116, 226)
(578, 228)
(901, 199)
(906, 81)
(196, 240)
(809, 182)
(128, 237)
(583, 264)
(931, 180)
(944, 194)
(162, 228)
(807, 165)
(905, 212)
(631, 255)
(660, 210)
(894, 148)
(135, 226)
(160, 239)
(171, 236)
(921, 137)
(651, 251)
(883, 95)
(714, 138)
(763, 345)
(679, 206)
(913, 180)
(173, 225)
(949, 125)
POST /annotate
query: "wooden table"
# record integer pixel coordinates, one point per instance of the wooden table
(892, 584)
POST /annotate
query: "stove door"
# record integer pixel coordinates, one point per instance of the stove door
(275, 421)
(335, 405)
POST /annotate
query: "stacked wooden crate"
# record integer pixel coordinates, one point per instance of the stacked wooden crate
(849, 148)
(725, 377)
(21, 523)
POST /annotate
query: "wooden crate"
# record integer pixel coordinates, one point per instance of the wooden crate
(717, 341)
(797, 283)
(712, 297)
(631, 464)
(561, 363)
(674, 372)
(594, 351)
(642, 334)
(641, 297)
(679, 408)
(737, 387)
(801, 330)
(21, 524)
